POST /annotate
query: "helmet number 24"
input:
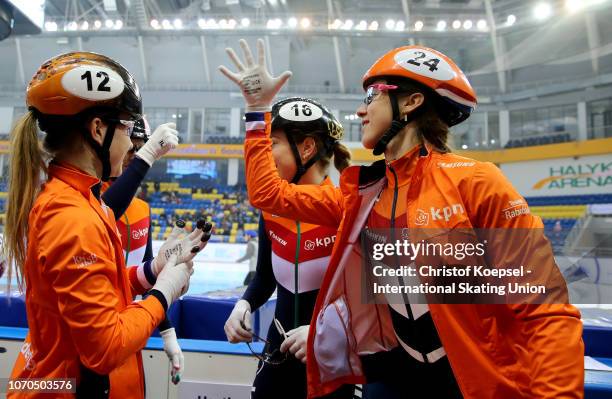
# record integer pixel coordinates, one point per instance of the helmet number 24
(103, 84)
(431, 63)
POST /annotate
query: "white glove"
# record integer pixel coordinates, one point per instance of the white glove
(173, 280)
(175, 354)
(184, 247)
(163, 139)
(233, 329)
(296, 342)
(257, 85)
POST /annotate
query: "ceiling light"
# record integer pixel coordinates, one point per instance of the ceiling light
(362, 25)
(574, 5)
(50, 26)
(336, 24)
(348, 24)
(542, 11)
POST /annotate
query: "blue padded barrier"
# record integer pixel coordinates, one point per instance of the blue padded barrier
(174, 315)
(156, 343)
(598, 384)
(13, 311)
(597, 341)
(204, 318)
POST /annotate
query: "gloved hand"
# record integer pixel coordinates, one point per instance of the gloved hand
(184, 247)
(163, 139)
(257, 85)
(233, 329)
(175, 354)
(296, 342)
(173, 280)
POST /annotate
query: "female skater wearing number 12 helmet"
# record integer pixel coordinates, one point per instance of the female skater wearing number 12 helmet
(63, 241)
(475, 351)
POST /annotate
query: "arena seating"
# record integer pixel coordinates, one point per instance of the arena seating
(540, 140)
(224, 140)
(230, 212)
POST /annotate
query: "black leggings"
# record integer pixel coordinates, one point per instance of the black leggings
(288, 380)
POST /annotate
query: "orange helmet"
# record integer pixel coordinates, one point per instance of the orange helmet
(73, 82)
(433, 70)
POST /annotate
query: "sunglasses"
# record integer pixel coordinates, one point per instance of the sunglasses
(129, 125)
(376, 89)
(269, 355)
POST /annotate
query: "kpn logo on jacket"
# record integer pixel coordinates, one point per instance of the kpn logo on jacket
(433, 214)
(311, 245)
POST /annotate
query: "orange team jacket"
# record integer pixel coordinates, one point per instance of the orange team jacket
(79, 296)
(496, 351)
(133, 227)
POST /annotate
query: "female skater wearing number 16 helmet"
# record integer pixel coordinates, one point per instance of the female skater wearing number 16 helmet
(475, 351)
(293, 255)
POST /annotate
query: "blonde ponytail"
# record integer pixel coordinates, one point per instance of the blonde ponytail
(27, 161)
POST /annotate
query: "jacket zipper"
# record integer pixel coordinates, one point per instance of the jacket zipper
(296, 301)
(392, 224)
(129, 236)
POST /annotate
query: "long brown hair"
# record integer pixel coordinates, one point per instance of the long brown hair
(26, 165)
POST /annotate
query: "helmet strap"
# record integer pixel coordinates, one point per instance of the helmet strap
(301, 168)
(397, 124)
(103, 151)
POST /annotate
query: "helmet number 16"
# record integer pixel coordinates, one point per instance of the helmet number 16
(431, 63)
(306, 111)
(103, 84)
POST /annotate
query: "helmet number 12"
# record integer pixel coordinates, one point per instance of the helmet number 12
(306, 111)
(431, 63)
(103, 84)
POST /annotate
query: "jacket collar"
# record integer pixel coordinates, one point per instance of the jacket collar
(74, 177)
(405, 166)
